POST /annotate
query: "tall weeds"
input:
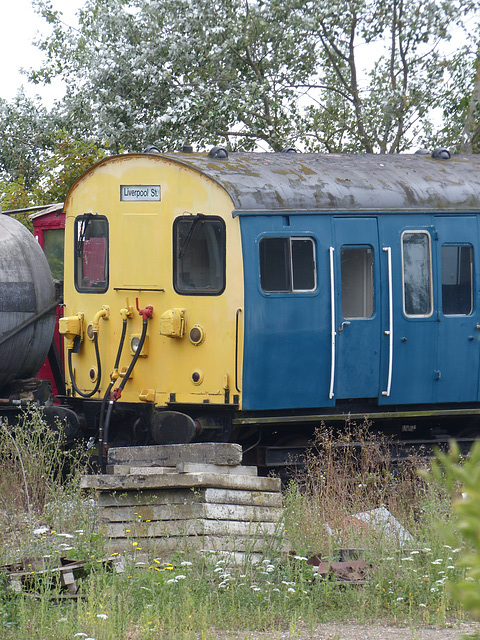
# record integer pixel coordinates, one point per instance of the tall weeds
(36, 473)
(353, 471)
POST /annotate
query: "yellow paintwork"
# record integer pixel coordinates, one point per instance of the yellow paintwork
(172, 323)
(71, 327)
(140, 257)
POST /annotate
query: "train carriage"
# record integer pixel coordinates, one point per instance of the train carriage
(271, 289)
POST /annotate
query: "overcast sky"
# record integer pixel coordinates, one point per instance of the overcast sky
(18, 28)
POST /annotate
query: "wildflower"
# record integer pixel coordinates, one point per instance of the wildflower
(408, 559)
(450, 566)
(80, 635)
(255, 588)
(422, 605)
(180, 577)
(41, 531)
(185, 563)
(437, 561)
(291, 590)
(414, 552)
(400, 599)
(102, 616)
(65, 535)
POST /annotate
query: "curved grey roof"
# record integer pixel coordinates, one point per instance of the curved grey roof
(263, 182)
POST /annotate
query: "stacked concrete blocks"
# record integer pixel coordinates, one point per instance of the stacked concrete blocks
(186, 497)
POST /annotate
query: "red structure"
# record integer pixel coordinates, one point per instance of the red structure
(49, 230)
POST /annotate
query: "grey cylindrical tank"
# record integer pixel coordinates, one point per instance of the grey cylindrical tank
(26, 291)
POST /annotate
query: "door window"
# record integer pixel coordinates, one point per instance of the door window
(417, 274)
(356, 268)
(457, 279)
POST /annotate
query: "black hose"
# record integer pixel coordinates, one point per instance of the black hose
(99, 371)
(118, 392)
(106, 395)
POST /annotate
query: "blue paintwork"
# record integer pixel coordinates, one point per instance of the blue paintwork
(287, 353)
(287, 342)
(357, 367)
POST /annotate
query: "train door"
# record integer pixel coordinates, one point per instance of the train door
(356, 308)
(286, 359)
(458, 353)
(412, 317)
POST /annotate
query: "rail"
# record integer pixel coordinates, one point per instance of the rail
(389, 332)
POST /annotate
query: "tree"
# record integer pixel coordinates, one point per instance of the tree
(25, 135)
(248, 72)
(390, 104)
(57, 169)
(145, 71)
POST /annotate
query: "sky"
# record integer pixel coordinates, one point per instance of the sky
(18, 28)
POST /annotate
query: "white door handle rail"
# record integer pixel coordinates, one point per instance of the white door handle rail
(333, 333)
(389, 332)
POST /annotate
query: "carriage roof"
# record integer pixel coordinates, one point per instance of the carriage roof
(297, 182)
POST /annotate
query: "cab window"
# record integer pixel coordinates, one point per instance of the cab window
(91, 254)
(199, 255)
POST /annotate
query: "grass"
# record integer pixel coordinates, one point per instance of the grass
(195, 594)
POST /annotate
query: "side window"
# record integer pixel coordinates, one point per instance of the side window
(287, 265)
(417, 274)
(356, 268)
(91, 253)
(54, 241)
(457, 279)
(199, 255)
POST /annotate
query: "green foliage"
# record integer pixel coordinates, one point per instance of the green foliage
(57, 169)
(246, 73)
(461, 476)
(36, 471)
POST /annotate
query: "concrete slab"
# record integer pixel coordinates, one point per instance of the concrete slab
(189, 496)
(149, 513)
(200, 527)
(179, 480)
(221, 453)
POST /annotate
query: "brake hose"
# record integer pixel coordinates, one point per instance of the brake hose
(103, 313)
(99, 371)
(146, 314)
(106, 395)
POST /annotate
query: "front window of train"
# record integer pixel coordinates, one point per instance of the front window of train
(199, 250)
(91, 254)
